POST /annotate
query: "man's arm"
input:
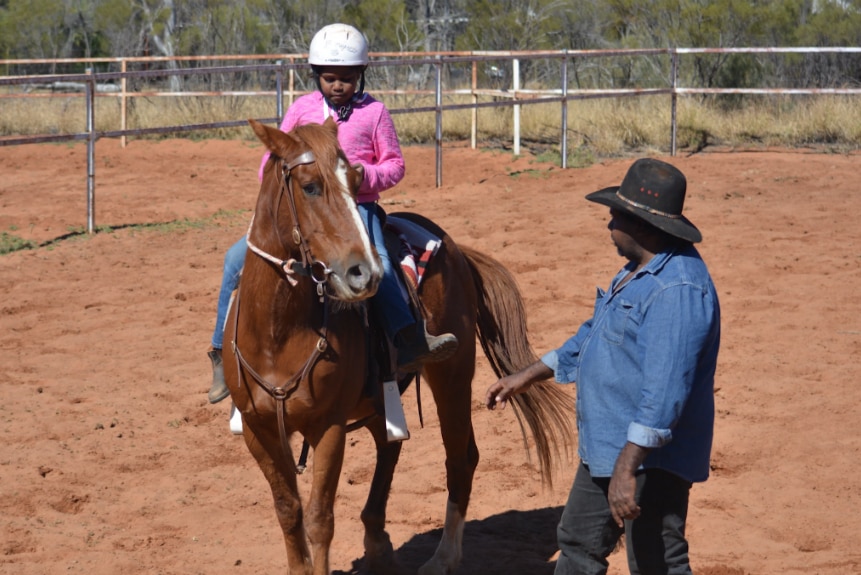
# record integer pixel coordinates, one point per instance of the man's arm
(623, 484)
(499, 392)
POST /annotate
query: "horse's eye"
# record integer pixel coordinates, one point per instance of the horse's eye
(312, 189)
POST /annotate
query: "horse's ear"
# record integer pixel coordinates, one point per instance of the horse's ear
(331, 125)
(262, 131)
(275, 140)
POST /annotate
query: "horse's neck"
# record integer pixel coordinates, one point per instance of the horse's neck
(269, 299)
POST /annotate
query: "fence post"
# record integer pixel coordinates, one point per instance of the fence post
(515, 67)
(564, 135)
(473, 134)
(123, 104)
(673, 120)
(291, 81)
(438, 114)
(279, 92)
(91, 153)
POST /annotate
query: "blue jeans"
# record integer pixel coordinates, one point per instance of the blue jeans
(234, 259)
(388, 305)
(655, 541)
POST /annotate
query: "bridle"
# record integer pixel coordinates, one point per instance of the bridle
(311, 267)
(316, 269)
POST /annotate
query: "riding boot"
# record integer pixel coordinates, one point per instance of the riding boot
(219, 389)
(416, 346)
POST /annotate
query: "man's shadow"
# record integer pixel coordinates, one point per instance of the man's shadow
(514, 542)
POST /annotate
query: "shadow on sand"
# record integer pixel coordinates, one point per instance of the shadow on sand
(514, 542)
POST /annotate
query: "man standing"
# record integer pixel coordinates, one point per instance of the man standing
(644, 366)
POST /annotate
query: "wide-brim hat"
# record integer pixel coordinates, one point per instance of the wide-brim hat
(653, 191)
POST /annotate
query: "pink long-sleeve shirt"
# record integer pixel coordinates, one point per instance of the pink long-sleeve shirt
(368, 137)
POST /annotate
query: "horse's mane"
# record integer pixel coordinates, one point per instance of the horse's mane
(324, 143)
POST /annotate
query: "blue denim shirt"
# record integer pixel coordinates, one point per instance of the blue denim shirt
(644, 367)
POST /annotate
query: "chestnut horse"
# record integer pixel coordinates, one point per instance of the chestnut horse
(300, 359)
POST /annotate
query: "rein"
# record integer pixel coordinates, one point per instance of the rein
(319, 272)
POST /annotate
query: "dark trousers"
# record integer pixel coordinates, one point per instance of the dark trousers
(655, 541)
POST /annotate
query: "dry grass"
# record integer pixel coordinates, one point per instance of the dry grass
(596, 128)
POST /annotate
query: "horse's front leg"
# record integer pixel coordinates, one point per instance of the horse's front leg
(281, 476)
(379, 554)
(320, 519)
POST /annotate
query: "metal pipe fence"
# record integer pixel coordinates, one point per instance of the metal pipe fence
(283, 69)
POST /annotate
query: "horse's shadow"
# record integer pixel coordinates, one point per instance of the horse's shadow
(510, 542)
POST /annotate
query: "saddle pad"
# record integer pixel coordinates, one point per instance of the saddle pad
(418, 246)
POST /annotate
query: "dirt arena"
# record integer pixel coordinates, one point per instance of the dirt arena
(112, 461)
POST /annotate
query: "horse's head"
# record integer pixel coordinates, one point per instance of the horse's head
(307, 211)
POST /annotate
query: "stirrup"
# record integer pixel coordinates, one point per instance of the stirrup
(396, 422)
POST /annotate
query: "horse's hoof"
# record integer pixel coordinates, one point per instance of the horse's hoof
(384, 566)
(380, 556)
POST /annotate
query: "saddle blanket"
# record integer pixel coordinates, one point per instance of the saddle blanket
(418, 246)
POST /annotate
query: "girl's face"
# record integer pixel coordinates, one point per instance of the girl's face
(339, 83)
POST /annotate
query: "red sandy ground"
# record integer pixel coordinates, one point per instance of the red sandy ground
(112, 461)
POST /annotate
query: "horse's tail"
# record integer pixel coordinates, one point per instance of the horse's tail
(545, 409)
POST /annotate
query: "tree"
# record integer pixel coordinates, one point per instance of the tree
(831, 23)
(35, 29)
(511, 25)
(387, 25)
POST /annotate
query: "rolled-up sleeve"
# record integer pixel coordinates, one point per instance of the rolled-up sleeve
(648, 436)
(551, 360)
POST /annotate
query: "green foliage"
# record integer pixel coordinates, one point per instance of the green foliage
(512, 25)
(34, 28)
(12, 243)
(60, 28)
(833, 25)
(73, 28)
(386, 23)
(581, 157)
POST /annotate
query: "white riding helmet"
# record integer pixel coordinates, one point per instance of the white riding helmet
(338, 45)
